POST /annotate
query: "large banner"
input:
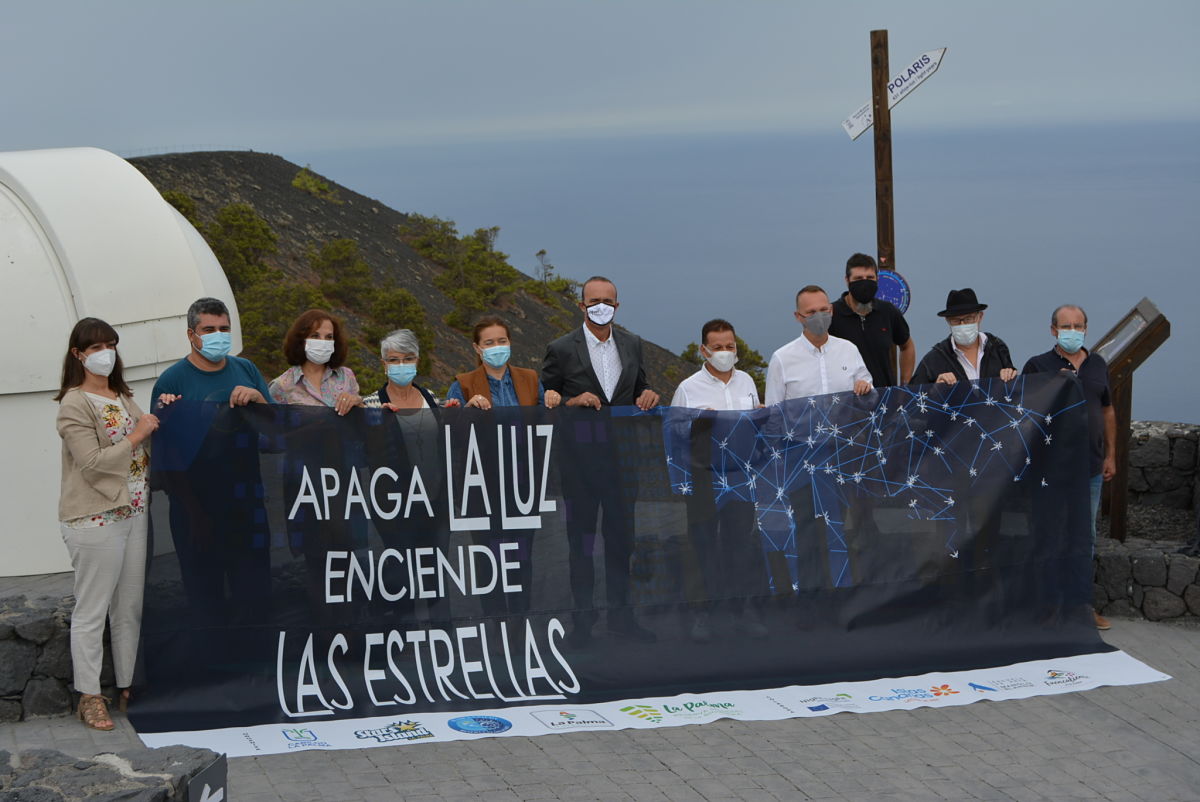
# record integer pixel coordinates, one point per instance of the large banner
(313, 568)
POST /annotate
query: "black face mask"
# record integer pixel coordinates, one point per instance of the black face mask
(863, 290)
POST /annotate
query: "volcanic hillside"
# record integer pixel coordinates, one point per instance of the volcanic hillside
(289, 239)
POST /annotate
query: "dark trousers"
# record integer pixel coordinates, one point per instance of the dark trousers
(728, 554)
(218, 548)
(499, 603)
(582, 532)
(812, 545)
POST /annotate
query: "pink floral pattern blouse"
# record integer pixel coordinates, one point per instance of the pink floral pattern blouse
(290, 387)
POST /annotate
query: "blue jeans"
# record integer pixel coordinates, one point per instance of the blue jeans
(1096, 485)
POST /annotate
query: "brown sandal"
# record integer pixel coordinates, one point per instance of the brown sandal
(93, 712)
(124, 699)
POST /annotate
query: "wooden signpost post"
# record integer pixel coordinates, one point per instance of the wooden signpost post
(881, 114)
(886, 91)
(1125, 347)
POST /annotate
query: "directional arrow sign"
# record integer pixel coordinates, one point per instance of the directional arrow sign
(901, 84)
(208, 784)
(208, 796)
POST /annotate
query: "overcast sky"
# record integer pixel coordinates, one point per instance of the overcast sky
(667, 142)
(307, 76)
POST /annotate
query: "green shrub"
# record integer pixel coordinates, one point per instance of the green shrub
(344, 275)
(183, 204)
(474, 274)
(307, 181)
(241, 241)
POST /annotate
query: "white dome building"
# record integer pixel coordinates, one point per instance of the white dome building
(82, 234)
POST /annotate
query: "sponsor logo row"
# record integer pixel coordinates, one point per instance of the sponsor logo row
(560, 720)
(660, 712)
(412, 730)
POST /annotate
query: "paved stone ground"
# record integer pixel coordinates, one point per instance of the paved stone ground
(1130, 743)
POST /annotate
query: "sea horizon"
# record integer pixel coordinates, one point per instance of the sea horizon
(731, 225)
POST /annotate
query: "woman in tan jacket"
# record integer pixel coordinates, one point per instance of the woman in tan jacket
(496, 385)
(102, 507)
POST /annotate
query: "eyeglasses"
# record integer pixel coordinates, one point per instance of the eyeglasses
(959, 320)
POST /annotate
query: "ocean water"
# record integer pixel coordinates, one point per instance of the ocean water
(704, 226)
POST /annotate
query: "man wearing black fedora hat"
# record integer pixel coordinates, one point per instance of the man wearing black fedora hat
(968, 353)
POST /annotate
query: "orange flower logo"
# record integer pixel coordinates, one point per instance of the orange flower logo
(942, 690)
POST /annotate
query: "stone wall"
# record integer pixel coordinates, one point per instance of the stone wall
(35, 658)
(136, 775)
(1143, 577)
(1162, 465)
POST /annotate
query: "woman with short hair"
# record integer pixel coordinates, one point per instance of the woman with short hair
(102, 509)
(315, 347)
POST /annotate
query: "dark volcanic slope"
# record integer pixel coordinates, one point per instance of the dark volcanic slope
(264, 181)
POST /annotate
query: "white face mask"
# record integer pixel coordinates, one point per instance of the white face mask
(318, 351)
(601, 314)
(101, 363)
(722, 360)
(965, 334)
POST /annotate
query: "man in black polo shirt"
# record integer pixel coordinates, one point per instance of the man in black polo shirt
(1068, 324)
(872, 324)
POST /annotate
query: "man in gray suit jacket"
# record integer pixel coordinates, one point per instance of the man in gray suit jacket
(596, 366)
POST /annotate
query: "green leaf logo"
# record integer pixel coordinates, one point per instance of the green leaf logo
(644, 712)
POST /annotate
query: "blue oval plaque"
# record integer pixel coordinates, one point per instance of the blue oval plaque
(893, 289)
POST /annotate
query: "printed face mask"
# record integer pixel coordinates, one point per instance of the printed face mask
(1070, 340)
(402, 375)
(722, 360)
(965, 334)
(496, 356)
(817, 324)
(601, 314)
(101, 363)
(863, 290)
(215, 346)
(318, 351)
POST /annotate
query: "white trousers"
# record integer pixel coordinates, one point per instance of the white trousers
(110, 573)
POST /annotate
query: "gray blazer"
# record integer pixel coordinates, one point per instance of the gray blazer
(95, 470)
(567, 368)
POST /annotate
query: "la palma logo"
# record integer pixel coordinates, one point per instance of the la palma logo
(578, 719)
(400, 731)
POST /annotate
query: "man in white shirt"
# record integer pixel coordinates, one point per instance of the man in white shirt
(722, 525)
(815, 363)
(718, 384)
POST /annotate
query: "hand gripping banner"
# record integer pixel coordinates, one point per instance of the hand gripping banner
(309, 567)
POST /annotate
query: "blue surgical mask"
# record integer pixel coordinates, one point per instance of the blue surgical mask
(965, 333)
(402, 375)
(497, 356)
(1070, 340)
(215, 346)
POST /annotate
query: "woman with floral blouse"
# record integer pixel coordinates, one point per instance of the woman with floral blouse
(315, 347)
(102, 507)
